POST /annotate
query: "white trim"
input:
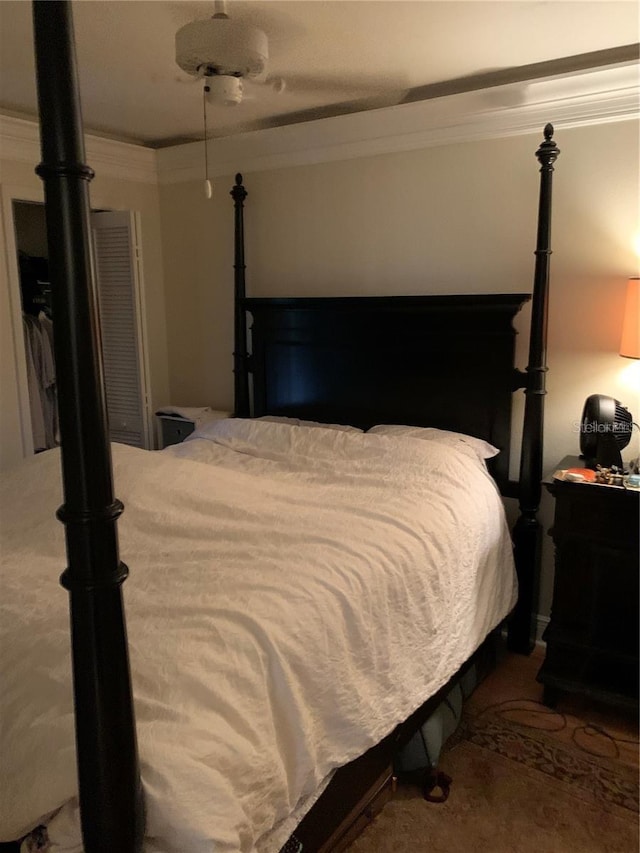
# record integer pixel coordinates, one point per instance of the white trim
(143, 337)
(9, 194)
(572, 100)
(20, 141)
(541, 624)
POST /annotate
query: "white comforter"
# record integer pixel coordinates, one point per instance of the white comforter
(294, 594)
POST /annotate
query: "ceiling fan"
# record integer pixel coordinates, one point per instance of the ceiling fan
(227, 54)
(223, 53)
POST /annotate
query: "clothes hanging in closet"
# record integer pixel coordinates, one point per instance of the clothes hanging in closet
(41, 377)
(38, 338)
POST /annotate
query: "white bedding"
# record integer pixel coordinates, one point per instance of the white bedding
(294, 594)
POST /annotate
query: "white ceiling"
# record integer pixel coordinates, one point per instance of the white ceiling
(372, 52)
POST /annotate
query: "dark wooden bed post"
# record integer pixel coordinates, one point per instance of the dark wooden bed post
(240, 353)
(109, 779)
(527, 531)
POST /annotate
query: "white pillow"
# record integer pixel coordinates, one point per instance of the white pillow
(482, 449)
(281, 419)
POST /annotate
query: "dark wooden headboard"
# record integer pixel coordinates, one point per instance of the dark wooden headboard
(443, 361)
(439, 361)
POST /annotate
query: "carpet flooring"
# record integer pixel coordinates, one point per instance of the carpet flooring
(526, 778)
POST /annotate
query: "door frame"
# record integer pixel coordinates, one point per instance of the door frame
(10, 193)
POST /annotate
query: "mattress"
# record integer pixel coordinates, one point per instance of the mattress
(294, 593)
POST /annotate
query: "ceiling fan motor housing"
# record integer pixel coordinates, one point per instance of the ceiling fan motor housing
(221, 46)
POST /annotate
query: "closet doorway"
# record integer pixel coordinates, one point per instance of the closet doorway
(121, 300)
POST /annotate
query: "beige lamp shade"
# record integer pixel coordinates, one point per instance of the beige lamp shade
(630, 343)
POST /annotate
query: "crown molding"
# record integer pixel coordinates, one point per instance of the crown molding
(571, 100)
(20, 141)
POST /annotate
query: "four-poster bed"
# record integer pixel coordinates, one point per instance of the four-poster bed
(444, 362)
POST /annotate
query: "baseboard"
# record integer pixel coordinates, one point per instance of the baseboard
(541, 624)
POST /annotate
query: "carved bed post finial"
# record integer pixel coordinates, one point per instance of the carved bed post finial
(240, 354)
(548, 151)
(527, 531)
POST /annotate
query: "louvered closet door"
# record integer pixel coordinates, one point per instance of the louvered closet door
(121, 318)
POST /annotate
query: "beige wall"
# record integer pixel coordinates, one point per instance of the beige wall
(460, 218)
(31, 229)
(106, 192)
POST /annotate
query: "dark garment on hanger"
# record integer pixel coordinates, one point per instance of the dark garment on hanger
(41, 377)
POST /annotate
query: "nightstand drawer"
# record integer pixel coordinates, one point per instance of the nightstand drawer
(595, 600)
(175, 430)
(597, 513)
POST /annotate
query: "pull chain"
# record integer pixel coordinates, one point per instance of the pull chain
(208, 190)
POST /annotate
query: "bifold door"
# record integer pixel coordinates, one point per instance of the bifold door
(118, 261)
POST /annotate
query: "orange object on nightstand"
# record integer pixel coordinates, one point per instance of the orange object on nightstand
(587, 473)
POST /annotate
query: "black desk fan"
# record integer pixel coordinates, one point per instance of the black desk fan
(605, 430)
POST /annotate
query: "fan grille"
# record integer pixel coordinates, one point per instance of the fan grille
(622, 426)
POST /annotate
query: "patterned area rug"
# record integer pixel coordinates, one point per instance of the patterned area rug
(523, 782)
(525, 733)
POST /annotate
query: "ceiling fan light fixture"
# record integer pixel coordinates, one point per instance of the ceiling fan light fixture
(222, 89)
(223, 47)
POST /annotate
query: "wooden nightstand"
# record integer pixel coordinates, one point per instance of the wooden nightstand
(177, 424)
(173, 430)
(592, 637)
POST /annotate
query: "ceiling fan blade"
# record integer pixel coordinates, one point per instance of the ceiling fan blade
(348, 85)
(187, 79)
